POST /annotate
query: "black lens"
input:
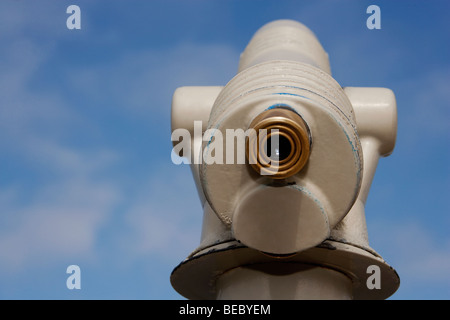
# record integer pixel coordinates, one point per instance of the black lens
(278, 150)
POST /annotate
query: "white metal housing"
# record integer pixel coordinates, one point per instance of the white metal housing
(308, 230)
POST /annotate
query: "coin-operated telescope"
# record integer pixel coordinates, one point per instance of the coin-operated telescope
(283, 158)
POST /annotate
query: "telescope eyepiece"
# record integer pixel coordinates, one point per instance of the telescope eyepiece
(281, 144)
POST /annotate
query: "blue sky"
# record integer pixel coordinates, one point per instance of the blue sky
(86, 175)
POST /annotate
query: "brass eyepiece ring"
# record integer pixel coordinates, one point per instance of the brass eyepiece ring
(280, 145)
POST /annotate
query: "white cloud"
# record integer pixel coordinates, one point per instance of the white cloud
(428, 110)
(31, 17)
(61, 215)
(418, 254)
(61, 221)
(56, 197)
(142, 82)
(166, 216)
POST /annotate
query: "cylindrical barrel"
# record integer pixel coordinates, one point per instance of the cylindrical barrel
(285, 40)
